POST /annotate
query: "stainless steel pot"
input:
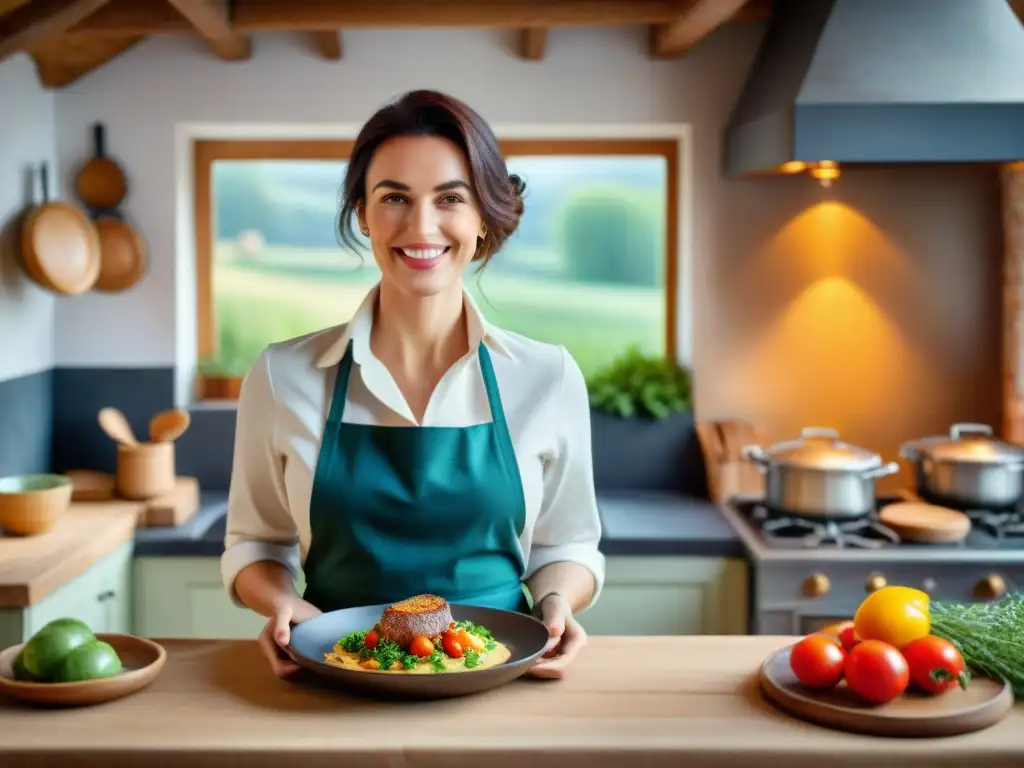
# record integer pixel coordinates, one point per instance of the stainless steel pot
(968, 468)
(820, 476)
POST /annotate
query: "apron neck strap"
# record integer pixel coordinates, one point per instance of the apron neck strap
(337, 411)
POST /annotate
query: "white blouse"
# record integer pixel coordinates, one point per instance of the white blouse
(284, 403)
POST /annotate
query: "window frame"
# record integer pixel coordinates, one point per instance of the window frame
(206, 152)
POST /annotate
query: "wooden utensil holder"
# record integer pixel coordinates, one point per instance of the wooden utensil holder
(145, 471)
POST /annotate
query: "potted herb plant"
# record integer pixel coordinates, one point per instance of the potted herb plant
(642, 425)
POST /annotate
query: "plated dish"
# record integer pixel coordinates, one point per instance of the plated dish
(419, 647)
(419, 636)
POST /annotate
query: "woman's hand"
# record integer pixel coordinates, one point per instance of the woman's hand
(277, 632)
(566, 637)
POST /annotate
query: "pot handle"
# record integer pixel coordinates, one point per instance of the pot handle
(827, 432)
(957, 430)
(883, 471)
(755, 454)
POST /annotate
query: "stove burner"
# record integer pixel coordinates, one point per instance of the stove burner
(863, 533)
(998, 524)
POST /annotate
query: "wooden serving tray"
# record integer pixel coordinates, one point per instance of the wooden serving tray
(171, 509)
(983, 704)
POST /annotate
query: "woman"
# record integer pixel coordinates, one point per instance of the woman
(418, 448)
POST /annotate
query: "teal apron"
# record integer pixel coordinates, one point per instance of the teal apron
(400, 511)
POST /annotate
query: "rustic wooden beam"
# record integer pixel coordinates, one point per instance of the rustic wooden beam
(697, 21)
(327, 44)
(34, 22)
(1018, 8)
(211, 20)
(149, 18)
(6, 6)
(63, 59)
(532, 43)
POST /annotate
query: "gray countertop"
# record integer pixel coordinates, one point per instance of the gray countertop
(635, 523)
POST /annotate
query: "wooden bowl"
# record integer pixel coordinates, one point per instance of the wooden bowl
(142, 660)
(32, 504)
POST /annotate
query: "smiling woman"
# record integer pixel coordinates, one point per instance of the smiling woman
(417, 448)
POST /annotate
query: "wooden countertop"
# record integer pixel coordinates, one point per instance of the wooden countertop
(31, 567)
(684, 701)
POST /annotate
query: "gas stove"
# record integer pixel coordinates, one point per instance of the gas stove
(778, 530)
(805, 572)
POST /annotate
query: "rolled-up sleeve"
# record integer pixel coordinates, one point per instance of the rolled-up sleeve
(260, 525)
(568, 527)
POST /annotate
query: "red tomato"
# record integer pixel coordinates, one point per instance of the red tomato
(848, 637)
(371, 639)
(421, 646)
(876, 671)
(451, 645)
(936, 665)
(817, 661)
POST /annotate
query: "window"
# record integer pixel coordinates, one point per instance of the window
(592, 265)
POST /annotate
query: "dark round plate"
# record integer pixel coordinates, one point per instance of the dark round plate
(524, 635)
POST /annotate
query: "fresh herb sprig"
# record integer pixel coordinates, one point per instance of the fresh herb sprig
(990, 636)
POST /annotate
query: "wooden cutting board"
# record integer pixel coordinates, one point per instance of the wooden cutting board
(171, 509)
(927, 523)
(983, 704)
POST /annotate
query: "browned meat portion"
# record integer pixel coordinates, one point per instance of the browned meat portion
(427, 615)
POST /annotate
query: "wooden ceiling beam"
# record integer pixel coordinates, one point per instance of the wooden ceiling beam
(696, 22)
(327, 44)
(147, 17)
(6, 6)
(31, 23)
(211, 19)
(532, 43)
(63, 59)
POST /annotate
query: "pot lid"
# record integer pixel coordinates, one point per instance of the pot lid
(821, 448)
(973, 443)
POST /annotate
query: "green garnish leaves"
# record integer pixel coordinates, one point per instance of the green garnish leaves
(353, 642)
(409, 661)
(472, 659)
(436, 660)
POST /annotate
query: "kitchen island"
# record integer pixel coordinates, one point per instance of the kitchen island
(637, 701)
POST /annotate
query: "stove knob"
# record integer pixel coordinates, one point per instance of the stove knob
(817, 585)
(992, 587)
(929, 585)
(874, 583)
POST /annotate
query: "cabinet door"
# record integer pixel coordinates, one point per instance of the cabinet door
(670, 596)
(185, 597)
(113, 584)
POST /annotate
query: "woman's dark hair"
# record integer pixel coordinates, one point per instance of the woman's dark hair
(430, 113)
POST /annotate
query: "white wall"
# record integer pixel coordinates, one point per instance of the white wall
(590, 75)
(27, 138)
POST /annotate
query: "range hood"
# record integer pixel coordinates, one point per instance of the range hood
(882, 81)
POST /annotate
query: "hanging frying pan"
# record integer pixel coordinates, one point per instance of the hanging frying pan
(60, 247)
(101, 183)
(123, 254)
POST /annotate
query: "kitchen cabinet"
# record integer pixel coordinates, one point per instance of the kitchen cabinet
(101, 597)
(670, 595)
(184, 597)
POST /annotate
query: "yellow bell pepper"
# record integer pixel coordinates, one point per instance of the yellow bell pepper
(894, 615)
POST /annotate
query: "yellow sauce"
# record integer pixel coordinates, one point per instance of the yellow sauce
(348, 660)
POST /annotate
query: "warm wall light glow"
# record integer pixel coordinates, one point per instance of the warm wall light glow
(826, 172)
(793, 166)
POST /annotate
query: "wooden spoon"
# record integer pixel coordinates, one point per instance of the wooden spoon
(168, 426)
(117, 428)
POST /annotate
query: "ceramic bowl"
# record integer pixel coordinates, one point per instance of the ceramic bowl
(32, 504)
(142, 660)
(524, 635)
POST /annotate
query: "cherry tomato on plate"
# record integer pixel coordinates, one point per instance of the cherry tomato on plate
(817, 661)
(936, 665)
(451, 645)
(848, 637)
(421, 646)
(371, 639)
(876, 671)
